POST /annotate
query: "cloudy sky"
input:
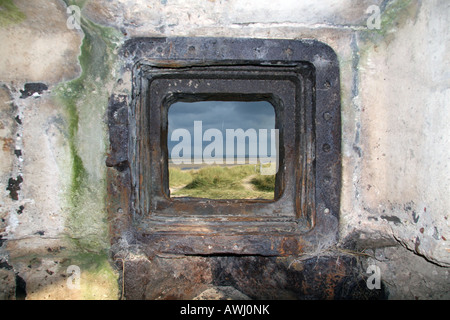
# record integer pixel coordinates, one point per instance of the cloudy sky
(220, 115)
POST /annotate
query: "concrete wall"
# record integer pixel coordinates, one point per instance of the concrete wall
(395, 128)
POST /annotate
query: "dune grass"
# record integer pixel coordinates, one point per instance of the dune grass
(179, 178)
(215, 182)
(264, 183)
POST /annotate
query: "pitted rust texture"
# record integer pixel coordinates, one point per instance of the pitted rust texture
(301, 80)
(224, 244)
(276, 85)
(118, 172)
(259, 278)
(118, 131)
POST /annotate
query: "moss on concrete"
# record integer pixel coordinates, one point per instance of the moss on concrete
(10, 14)
(393, 16)
(48, 276)
(85, 100)
(98, 279)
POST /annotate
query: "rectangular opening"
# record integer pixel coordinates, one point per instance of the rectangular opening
(222, 149)
(299, 79)
(276, 87)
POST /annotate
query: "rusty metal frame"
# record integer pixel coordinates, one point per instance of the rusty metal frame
(299, 78)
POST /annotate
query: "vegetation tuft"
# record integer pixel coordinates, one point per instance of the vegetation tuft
(215, 182)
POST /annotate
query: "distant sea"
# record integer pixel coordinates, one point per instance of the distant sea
(237, 161)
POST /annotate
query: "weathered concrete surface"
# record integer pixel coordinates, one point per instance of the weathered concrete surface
(395, 128)
(39, 47)
(7, 136)
(267, 278)
(409, 276)
(7, 283)
(39, 161)
(397, 162)
(43, 164)
(50, 277)
(227, 18)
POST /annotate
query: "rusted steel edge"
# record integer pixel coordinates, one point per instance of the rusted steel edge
(327, 99)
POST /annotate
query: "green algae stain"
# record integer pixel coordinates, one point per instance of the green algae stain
(392, 17)
(393, 14)
(85, 100)
(10, 14)
(98, 277)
